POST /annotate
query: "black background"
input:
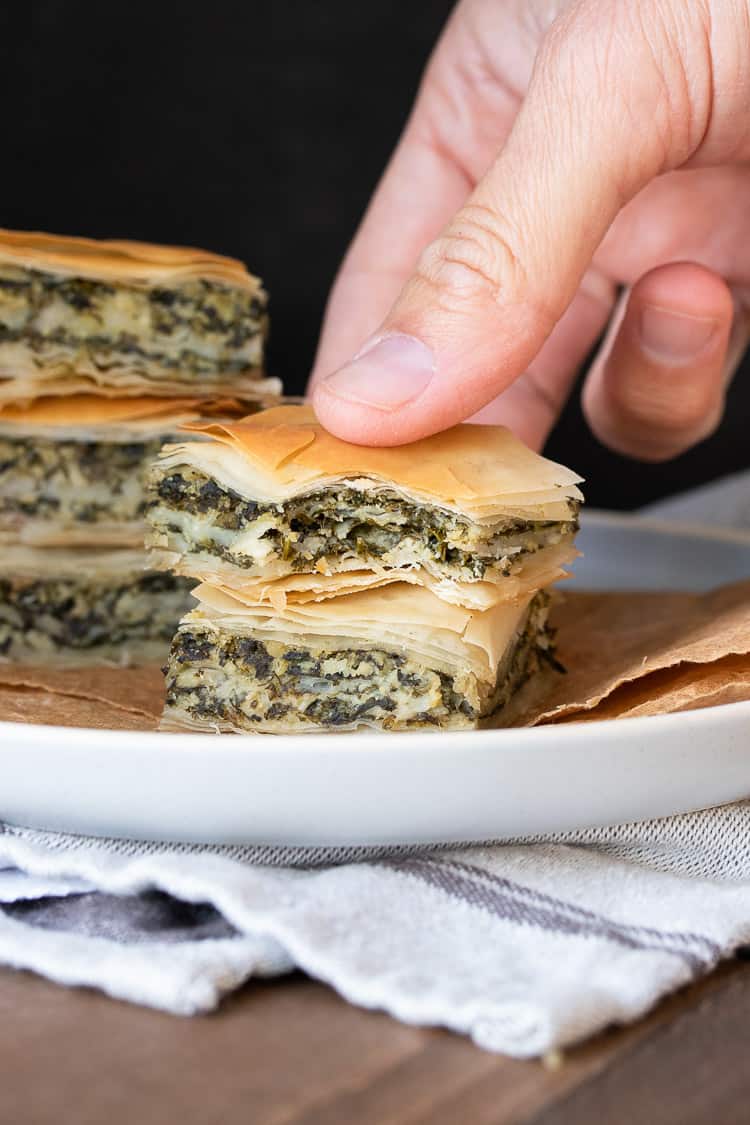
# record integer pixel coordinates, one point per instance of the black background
(257, 130)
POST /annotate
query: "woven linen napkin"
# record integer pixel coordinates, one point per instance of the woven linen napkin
(524, 946)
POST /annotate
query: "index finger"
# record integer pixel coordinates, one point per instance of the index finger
(463, 112)
(419, 191)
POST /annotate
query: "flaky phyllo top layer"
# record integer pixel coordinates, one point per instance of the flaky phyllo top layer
(278, 507)
(482, 472)
(126, 318)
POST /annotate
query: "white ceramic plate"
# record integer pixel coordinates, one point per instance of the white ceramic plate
(406, 788)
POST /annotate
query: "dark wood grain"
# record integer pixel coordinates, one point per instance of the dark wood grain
(687, 1066)
(291, 1052)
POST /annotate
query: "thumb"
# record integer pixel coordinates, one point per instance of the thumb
(605, 112)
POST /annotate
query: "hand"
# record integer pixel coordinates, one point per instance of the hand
(623, 134)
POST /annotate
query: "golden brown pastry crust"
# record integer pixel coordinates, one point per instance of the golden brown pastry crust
(95, 418)
(479, 470)
(132, 263)
(54, 366)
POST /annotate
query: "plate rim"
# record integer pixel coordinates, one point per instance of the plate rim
(427, 742)
(601, 517)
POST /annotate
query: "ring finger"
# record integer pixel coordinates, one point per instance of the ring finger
(657, 386)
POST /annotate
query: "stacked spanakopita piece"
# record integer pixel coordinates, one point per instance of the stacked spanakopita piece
(106, 349)
(343, 586)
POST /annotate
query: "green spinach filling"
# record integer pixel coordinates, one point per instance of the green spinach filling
(243, 682)
(74, 481)
(198, 327)
(48, 614)
(345, 522)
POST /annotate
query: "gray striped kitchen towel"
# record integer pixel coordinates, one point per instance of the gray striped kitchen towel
(524, 947)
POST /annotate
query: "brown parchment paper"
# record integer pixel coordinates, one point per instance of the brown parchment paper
(627, 654)
(32, 705)
(684, 688)
(102, 696)
(606, 640)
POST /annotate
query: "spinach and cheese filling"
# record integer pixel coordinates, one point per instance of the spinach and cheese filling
(71, 485)
(194, 517)
(197, 330)
(70, 618)
(250, 681)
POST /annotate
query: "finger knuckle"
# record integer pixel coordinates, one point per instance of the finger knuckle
(475, 260)
(662, 446)
(655, 425)
(681, 411)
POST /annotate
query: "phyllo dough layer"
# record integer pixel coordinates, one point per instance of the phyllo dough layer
(73, 469)
(276, 495)
(78, 607)
(126, 318)
(396, 659)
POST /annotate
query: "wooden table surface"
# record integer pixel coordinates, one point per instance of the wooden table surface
(291, 1052)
